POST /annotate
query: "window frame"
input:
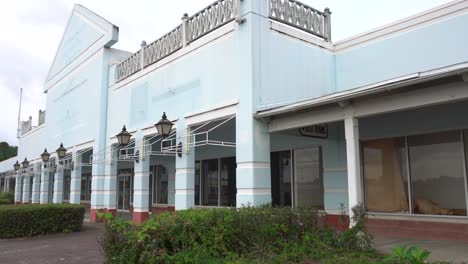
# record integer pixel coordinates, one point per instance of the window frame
(464, 151)
(200, 196)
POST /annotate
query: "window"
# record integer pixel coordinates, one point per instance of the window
(160, 182)
(308, 179)
(197, 182)
(11, 184)
(296, 178)
(85, 194)
(437, 173)
(66, 184)
(2, 184)
(215, 182)
(228, 181)
(419, 174)
(210, 182)
(31, 185)
(385, 175)
(281, 175)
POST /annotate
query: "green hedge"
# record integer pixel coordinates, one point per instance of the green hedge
(35, 219)
(246, 235)
(4, 202)
(7, 197)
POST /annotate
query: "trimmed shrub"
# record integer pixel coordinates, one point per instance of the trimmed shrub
(4, 202)
(7, 196)
(39, 219)
(245, 235)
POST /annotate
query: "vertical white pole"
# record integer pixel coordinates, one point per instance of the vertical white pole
(353, 161)
(185, 30)
(19, 114)
(142, 55)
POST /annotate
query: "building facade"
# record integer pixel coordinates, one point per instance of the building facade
(266, 109)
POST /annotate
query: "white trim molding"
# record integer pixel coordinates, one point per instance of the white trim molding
(428, 17)
(253, 165)
(212, 113)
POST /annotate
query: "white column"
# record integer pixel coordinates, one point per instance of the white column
(36, 183)
(353, 162)
(185, 171)
(75, 179)
(45, 177)
(253, 173)
(141, 206)
(58, 185)
(26, 187)
(18, 189)
(110, 182)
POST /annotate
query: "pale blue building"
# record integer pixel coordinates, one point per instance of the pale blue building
(266, 109)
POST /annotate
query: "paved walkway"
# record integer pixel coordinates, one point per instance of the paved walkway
(455, 252)
(74, 248)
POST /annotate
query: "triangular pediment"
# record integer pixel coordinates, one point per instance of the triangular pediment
(85, 33)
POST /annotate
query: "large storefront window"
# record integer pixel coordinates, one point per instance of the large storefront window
(11, 184)
(385, 175)
(281, 175)
(215, 182)
(159, 182)
(31, 185)
(66, 184)
(297, 181)
(51, 186)
(228, 181)
(210, 182)
(437, 174)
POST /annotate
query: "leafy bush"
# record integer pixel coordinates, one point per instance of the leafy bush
(5, 201)
(273, 235)
(7, 196)
(403, 255)
(36, 219)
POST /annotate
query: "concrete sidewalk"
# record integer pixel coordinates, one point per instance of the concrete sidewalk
(454, 252)
(74, 248)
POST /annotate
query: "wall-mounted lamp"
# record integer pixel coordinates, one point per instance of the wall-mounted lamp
(61, 151)
(164, 126)
(25, 163)
(124, 137)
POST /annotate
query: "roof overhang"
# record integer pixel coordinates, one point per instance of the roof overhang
(388, 85)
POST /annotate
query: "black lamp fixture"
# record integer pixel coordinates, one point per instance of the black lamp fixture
(164, 126)
(45, 156)
(124, 137)
(16, 166)
(61, 151)
(25, 163)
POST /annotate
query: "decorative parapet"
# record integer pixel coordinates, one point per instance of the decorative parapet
(212, 17)
(25, 127)
(162, 47)
(129, 66)
(192, 28)
(41, 119)
(301, 16)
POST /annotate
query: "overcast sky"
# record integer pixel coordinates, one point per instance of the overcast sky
(30, 31)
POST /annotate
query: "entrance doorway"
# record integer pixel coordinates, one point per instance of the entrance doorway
(297, 178)
(125, 187)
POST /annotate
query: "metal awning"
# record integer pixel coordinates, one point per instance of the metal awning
(201, 135)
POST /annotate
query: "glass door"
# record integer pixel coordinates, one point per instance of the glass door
(124, 193)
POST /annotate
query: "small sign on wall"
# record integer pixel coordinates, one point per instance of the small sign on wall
(319, 131)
